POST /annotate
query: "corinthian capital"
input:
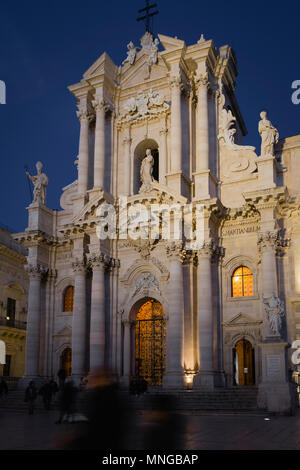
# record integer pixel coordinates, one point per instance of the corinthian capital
(83, 115)
(268, 240)
(35, 271)
(174, 250)
(100, 104)
(100, 261)
(201, 80)
(176, 81)
(79, 266)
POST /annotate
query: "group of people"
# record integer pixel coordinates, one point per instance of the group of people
(67, 394)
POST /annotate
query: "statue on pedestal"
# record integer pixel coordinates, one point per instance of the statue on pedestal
(40, 182)
(269, 135)
(131, 53)
(146, 172)
(275, 311)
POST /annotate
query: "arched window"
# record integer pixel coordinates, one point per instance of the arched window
(69, 299)
(242, 282)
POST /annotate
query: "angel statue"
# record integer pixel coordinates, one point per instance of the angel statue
(269, 135)
(40, 183)
(146, 172)
(275, 310)
(131, 53)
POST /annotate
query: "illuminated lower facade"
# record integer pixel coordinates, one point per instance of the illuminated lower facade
(221, 314)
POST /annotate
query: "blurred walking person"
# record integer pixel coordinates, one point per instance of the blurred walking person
(62, 375)
(30, 396)
(3, 388)
(47, 391)
(67, 401)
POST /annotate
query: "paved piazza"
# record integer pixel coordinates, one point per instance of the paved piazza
(198, 432)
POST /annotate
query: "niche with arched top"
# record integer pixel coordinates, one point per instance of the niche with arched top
(139, 154)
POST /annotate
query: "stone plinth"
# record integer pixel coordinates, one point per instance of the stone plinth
(275, 392)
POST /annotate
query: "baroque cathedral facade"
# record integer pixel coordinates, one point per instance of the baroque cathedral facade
(165, 128)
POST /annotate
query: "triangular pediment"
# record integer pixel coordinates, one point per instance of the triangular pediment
(160, 194)
(169, 43)
(103, 65)
(65, 331)
(91, 206)
(241, 319)
(138, 73)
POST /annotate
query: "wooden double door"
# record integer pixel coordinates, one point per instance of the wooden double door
(243, 363)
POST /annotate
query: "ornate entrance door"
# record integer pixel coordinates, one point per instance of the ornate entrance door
(66, 361)
(150, 340)
(243, 355)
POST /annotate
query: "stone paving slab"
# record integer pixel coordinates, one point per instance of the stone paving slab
(211, 432)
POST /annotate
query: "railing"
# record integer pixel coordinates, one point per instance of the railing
(21, 325)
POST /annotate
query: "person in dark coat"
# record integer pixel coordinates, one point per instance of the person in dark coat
(3, 388)
(62, 375)
(54, 387)
(67, 401)
(47, 391)
(30, 396)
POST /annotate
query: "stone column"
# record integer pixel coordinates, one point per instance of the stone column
(99, 156)
(174, 377)
(97, 325)
(83, 160)
(163, 155)
(202, 175)
(202, 160)
(126, 351)
(205, 376)
(127, 162)
(79, 325)
(33, 322)
(267, 242)
(176, 130)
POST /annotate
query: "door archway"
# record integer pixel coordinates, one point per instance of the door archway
(66, 361)
(150, 342)
(243, 363)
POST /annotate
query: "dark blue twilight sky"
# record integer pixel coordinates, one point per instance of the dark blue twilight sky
(47, 45)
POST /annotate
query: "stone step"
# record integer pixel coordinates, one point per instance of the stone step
(225, 399)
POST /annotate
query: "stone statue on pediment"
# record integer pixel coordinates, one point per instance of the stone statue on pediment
(269, 135)
(146, 172)
(40, 183)
(131, 53)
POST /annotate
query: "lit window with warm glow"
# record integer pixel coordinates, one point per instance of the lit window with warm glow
(69, 299)
(242, 282)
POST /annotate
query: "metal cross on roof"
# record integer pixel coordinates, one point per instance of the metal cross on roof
(148, 14)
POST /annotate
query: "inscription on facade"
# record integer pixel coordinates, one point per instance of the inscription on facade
(273, 366)
(239, 231)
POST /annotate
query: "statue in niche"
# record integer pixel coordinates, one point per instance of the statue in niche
(131, 53)
(146, 172)
(40, 182)
(275, 311)
(269, 135)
